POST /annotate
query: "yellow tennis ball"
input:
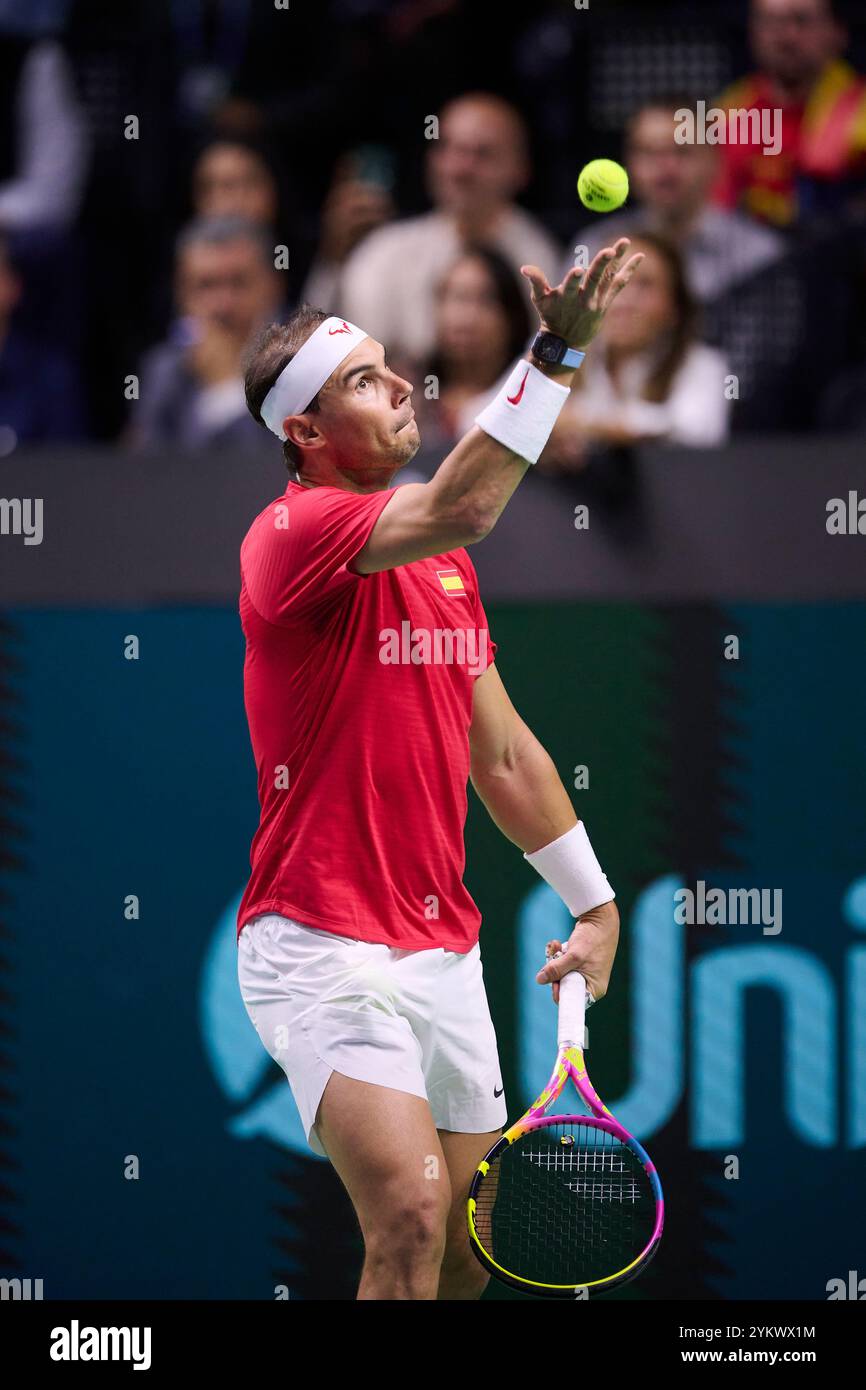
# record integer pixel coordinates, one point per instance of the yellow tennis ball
(602, 185)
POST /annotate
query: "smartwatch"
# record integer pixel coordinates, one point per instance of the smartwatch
(550, 348)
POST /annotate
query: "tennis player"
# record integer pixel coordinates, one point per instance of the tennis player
(372, 696)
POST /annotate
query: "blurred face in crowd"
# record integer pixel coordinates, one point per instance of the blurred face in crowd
(479, 161)
(473, 330)
(647, 309)
(673, 180)
(228, 284)
(231, 181)
(365, 427)
(792, 40)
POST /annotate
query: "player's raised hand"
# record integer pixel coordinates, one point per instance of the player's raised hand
(575, 309)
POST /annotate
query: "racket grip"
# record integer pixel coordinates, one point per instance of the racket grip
(572, 1010)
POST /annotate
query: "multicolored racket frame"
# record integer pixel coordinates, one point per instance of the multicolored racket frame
(569, 1063)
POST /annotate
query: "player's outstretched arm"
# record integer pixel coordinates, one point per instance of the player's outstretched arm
(463, 501)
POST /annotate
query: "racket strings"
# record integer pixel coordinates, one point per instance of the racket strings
(621, 1187)
(567, 1203)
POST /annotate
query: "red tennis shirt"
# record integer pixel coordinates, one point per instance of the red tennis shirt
(358, 692)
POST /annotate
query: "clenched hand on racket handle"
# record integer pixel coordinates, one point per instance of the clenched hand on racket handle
(575, 309)
(590, 949)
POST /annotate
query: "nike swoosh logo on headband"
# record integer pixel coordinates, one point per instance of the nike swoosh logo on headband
(515, 400)
(344, 329)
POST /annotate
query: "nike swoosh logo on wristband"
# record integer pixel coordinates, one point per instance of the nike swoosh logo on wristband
(515, 400)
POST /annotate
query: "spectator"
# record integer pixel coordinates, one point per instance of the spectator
(43, 168)
(476, 168)
(44, 160)
(234, 178)
(226, 287)
(358, 202)
(40, 395)
(482, 325)
(671, 184)
(646, 378)
(797, 45)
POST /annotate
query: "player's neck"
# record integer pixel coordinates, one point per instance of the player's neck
(373, 481)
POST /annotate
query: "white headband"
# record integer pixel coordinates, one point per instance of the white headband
(309, 369)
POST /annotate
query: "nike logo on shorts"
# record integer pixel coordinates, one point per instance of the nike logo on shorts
(497, 1094)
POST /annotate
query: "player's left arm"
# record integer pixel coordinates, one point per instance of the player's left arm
(517, 781)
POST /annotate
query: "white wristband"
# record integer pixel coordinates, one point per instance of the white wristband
(525, 410)
(570, 867)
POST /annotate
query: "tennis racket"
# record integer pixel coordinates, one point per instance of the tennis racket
(566, 1206)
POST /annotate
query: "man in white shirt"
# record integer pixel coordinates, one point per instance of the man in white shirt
(475, 169)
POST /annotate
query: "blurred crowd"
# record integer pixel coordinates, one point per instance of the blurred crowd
(176, 173)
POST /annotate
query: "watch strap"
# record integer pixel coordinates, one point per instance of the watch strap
(573, 357)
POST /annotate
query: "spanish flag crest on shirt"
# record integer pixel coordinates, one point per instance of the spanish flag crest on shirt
(452, 582)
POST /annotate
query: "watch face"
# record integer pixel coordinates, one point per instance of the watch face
(546, 346)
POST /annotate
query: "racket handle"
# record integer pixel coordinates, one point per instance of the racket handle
(572, 1010)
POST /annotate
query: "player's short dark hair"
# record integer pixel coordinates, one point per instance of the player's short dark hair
(268, 355)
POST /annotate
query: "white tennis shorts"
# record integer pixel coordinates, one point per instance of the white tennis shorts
(415, 1021)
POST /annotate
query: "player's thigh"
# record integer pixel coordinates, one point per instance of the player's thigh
(385, 1149)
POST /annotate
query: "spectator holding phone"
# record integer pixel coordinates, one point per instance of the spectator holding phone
(358, 202)
(477, 164)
